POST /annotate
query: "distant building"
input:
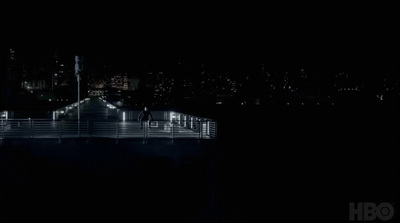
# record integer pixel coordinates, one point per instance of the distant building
(96, 92)
(38, 85)
(120, 81)
(186, 90)
(163, 87)
(11, 79)
(59, 74)
(133, 84)
(345, 83)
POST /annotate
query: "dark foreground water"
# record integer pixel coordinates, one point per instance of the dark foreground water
(267, 165)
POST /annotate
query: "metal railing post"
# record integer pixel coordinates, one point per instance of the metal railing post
(32, 126)
(200, 128)
(88, 132)
(144, 133)
(207, 128)
(79, 128)
(215, 129)
(116, 131)
(2, 131)
(60, 130)
(173, 131)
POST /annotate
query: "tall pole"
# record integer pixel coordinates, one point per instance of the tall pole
(78, 70)
(79, 98)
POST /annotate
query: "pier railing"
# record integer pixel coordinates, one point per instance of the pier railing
(188, 127)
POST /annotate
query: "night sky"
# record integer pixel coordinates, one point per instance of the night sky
(360, 37)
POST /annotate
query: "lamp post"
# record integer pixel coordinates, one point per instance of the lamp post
(78, 71)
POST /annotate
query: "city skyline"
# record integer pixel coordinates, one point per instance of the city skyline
(51, 78)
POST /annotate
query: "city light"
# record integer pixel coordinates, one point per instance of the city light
(123, 116)
(54, 115)
(172, 116)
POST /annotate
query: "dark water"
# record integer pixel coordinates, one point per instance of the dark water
(309, 164)
(46, 180)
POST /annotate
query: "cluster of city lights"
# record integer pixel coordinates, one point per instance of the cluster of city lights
(349, 89)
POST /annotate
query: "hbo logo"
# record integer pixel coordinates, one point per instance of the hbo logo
(368, 211)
